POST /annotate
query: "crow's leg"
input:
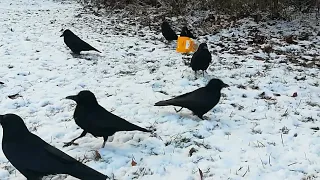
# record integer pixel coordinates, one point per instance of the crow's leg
(104, 141)
(200, 116)
(110, 138)
(178, 110)
(72, 142)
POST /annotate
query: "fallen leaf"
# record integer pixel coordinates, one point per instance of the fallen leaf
(290, 39)
(201, 174)
(295, 94)
(15, 96)
(97, 155)
(241, 87)
(191, 151)
(133, 163)
(254, 87)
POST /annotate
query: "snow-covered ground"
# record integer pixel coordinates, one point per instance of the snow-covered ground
(259, 130)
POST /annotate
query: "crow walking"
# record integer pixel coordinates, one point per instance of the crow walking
(167, 31)
(94, 119)
(75, 43)
(201, 59)
(185, 32)
(34, 158)
(199, 101)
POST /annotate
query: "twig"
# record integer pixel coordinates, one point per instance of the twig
(282, 140)
(292, 164)
(260, 143)
(305, 155)
(270, 160)
(261, 162)
(238, 170)
(300, 171)
(248, 170)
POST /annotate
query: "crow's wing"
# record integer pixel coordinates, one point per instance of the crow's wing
(34, 154)
(72, 166)
(103, 121)
(84, 45)
(195, 57)
(197, 98)
(201, 59)
(168, 32)
(190, 34)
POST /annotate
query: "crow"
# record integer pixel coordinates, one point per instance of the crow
(34, 158)
(199, 101)
(167, 31)
(185, 32)
(94, 119)
(201, 59)
(75, 43)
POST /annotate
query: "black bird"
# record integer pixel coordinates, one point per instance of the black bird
(94, 119)
(199, 101)
(201, 58)
(75, 43)
(167, 31)
(185, 32)
(34, 158)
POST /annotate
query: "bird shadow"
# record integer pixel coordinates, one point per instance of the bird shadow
(183, 116)
(120, 150)
(192, 76)
(87, 56)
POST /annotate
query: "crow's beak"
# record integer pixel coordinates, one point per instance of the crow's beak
(61, 35)
(75, 98)
(225, 85)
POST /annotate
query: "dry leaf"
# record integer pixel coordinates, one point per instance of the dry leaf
(295, 94)
(15, 96)
(133, 163)
(315, 128)
(191, 151)
(201, 174)
(241, 87)
(290, 39)
(97, 155)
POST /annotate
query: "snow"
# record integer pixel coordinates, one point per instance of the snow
(247, 135)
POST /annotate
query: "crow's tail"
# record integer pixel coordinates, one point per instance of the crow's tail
(138, 128)
(84, 172)
(163, 103)
(97, 50)
(144, 130)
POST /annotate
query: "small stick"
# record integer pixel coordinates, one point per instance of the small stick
(270, 160)
(246, 172)
(282, 140)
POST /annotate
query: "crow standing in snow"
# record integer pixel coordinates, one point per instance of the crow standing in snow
(94, 119)
(199, 101)
(34, 158)
(75, 43)
(167, 31)
(185, 32)
(201, 59)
